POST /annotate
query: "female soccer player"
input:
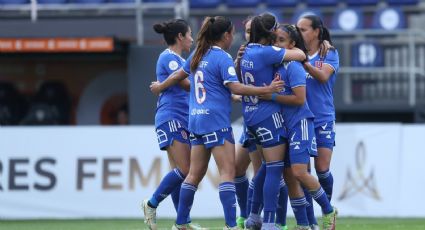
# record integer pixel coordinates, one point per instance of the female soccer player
(302, 142)
(213, 79)
(246, 152)
(263, 118)
(321, 77)
(171, 120)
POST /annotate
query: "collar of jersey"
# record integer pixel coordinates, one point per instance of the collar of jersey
(255, 44)
(169, 50)
(313, 56)
(216, 47)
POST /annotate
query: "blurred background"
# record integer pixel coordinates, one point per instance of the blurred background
(76, 114)
(89, 62)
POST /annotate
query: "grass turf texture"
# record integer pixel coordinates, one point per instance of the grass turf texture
(135, 224)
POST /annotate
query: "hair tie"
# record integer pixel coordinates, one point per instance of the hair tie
(212, 19)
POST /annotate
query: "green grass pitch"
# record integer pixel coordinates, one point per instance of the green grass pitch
(137, 224)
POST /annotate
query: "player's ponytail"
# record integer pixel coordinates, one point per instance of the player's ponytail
(262, 27)
(212, 31)
(171, 29)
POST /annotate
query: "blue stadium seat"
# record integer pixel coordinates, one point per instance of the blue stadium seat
(402, 2)
(362, 2)
(389, 19)
(278, 3)
(159, 0)
(205, 3)
(52, 1)
(242, 3)
(88, 1)
(348, 19)
(367, 54)
(322, 2)
(11, 2)
(122, 1)
(300, 13)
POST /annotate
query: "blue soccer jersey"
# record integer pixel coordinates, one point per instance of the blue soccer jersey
(257, 68)
(210, 99)
(293, 74)
(173, 103)
(320, 95)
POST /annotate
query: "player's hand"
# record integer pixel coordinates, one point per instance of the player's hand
(155, 87)
(240, 53)
(325, 46)
(236, 98)
(276, 85)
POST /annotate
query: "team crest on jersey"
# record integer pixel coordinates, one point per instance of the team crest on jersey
(318, 64)
(184, 134)
(173, 65)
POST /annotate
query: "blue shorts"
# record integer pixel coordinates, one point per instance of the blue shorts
(213, 139)
(169, 131)
(302, 143)
(270, 132)
(325, 135)
(247, 140)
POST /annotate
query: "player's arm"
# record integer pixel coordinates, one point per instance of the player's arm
(294, 54)
(241, 89)
(237, 62)
(179, 75)
(322, 75)
(297, 99)
(185, 84)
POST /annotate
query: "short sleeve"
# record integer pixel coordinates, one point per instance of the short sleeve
(227, 69)
(297, 74)
(332, 59)
(172, 63)
(273, 55)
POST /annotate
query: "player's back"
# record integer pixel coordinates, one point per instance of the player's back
(173, 103)
(257, 68)
(210, 99)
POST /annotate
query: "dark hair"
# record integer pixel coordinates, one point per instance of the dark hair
(316, 23)
(295, 35)
(211, 31)
(262, 26)
(171, 29)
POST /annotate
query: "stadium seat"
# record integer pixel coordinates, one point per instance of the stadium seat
(402, 2)
(159, 0)
(389, 19)
(300, 13)
(362, 2)
(52, 1)
(205, 3)
(242, 3)
(367, 54)
(11, 2)
(348, 19)
(88, 1)
(122, 1)
(322, 2)
(279, 3)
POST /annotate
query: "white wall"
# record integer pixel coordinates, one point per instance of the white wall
(376, 167)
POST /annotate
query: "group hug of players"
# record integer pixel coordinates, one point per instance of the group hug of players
(283, 76)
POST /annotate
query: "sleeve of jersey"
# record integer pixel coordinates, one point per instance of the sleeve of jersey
(297, 75)
(227, 70)
(273, 55)
(186, 65)
(171, 63)
(332, 59)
